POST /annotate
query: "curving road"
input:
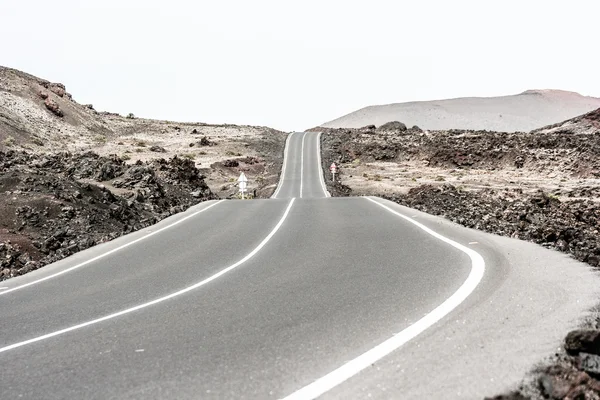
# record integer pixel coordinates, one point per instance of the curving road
(297, 296)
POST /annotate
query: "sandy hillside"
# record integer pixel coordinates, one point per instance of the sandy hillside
(522, 112)
(41, 117)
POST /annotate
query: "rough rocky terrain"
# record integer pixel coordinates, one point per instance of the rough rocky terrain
(54, 205)
(522, 112)
(40, 116)
(542, 186)
(393, 161)
(72, 177)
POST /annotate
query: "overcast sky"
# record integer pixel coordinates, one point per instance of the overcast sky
(295, 64)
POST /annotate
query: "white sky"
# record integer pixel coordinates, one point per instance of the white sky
(295, 64)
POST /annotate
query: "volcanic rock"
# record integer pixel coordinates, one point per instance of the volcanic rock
(53, 107)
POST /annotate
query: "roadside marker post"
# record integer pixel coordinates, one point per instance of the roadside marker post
(243, 184)
(333, 169)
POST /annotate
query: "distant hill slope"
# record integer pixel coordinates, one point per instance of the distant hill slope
(42, 115)
(588, 124)
(39, 116)
(522, 112)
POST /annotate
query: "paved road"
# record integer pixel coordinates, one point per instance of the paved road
(299, 295)
(302, 173)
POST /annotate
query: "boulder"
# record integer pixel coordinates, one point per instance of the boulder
(58, 89)
(205, 142)
(583, 340)
(392, 126)
(231, 163)
(53, 107)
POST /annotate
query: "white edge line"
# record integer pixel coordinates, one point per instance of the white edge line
(91, 260)
(327, 194)
(302, 166)
(285, 158)
(160, 299)
(352, 367)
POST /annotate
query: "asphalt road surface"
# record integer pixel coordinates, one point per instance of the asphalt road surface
(297, 296)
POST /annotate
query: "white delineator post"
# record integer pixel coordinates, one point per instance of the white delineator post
(243, 183)
(333, 169)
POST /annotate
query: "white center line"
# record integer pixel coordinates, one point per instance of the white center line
(91, 260)
(353, 367)
(160, 299)
(302, 165)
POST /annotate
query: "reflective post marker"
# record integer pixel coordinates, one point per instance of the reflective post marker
(243, 183)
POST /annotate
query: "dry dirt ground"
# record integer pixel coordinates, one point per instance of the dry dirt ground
(40, 116)
(542, 186)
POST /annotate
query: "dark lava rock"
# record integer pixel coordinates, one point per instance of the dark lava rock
(392, 126)
(566, 382)
(510, 396)
(587, 341)
(158, 149)
(64, 204)
(231, 163)
(205, 142)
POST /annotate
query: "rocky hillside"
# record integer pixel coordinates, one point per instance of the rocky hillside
(41, 116)
(518, 113)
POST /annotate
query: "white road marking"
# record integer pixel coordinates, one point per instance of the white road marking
(321, 166)
(160, 299)
(302, 166)
(352, 367)
(91, 260)
(285, 159)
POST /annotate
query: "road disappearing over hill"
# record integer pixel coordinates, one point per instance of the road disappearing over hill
(298, 296)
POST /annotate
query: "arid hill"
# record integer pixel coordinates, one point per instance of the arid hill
(72, 177)
(518, 113)
(40, 116)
